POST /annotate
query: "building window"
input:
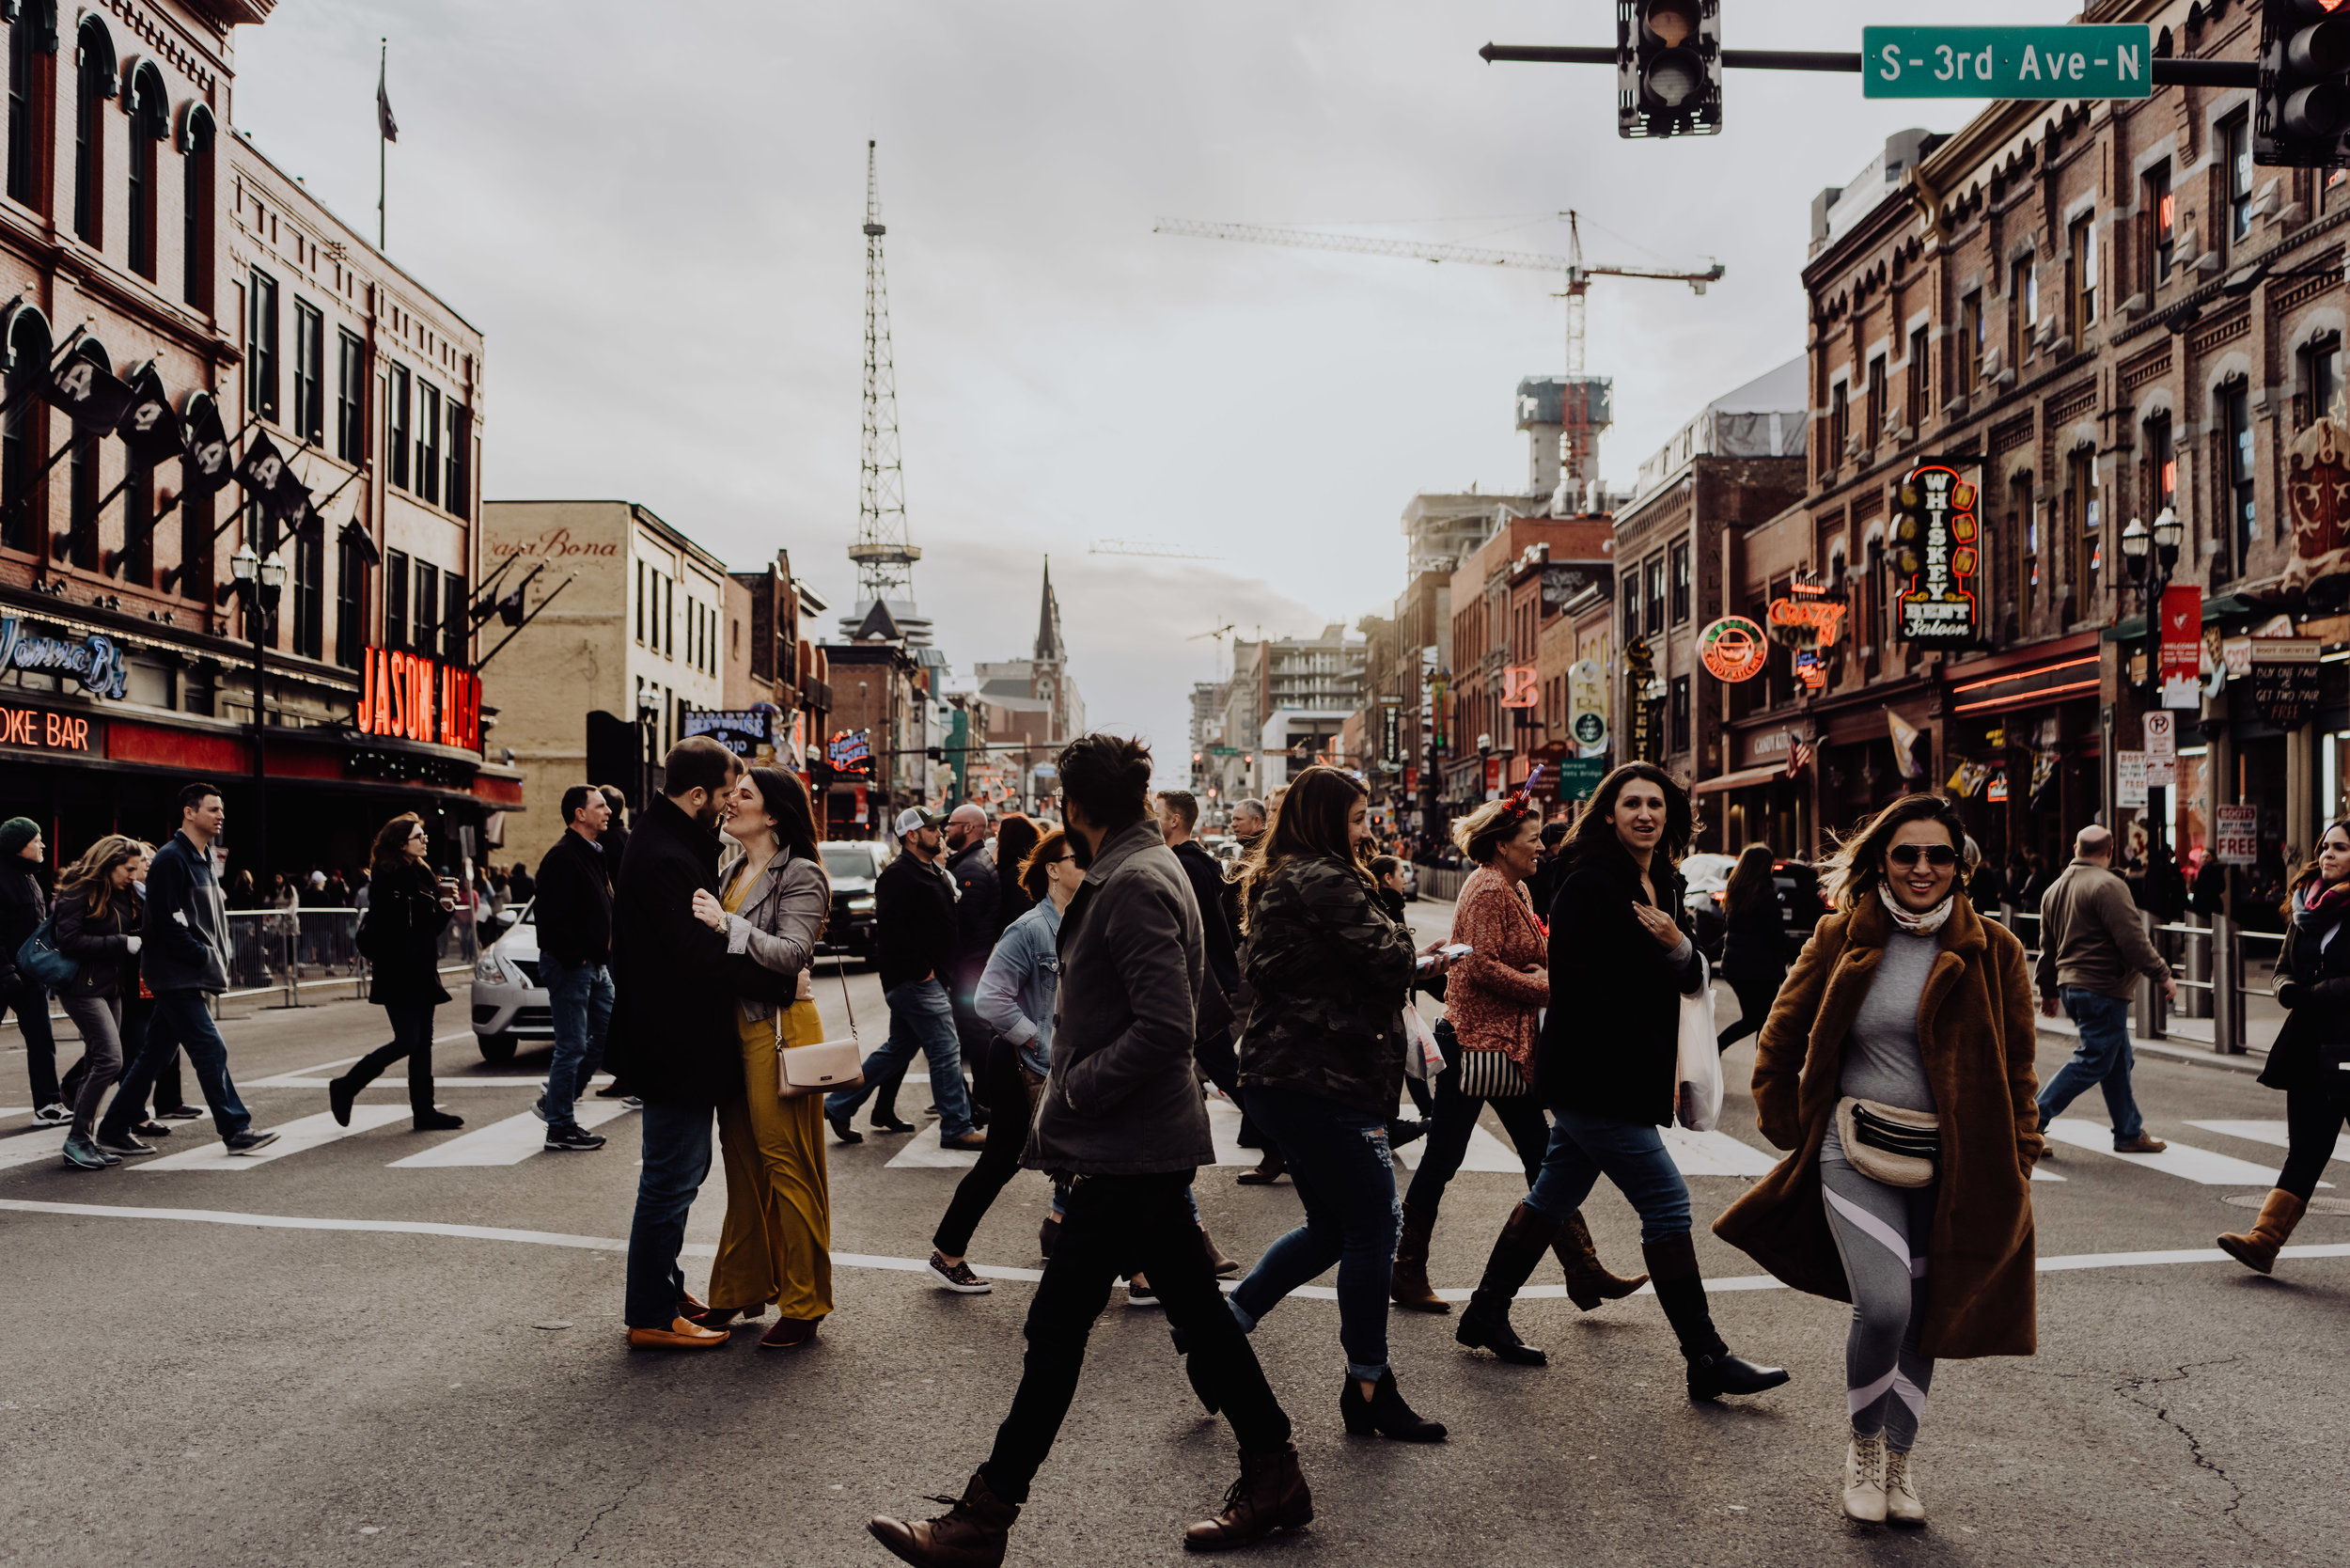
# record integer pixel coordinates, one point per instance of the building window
(2236, 153)
(351, 603)
(1874, 589)
(2080, 281)
(1631, 606)
(2320, 392)
(308, 588)
(424, 608)
(82, 495)
(2330, 191)
(23, 432)
(309, 373)
(138, 521)
(1656, 593)
(151, 121)
(2083, 537)
(1682, 588)
(1920, 377)
(455, 622)
(93, 87)
(196, 215)
(260, 347)
(458, 494)
(350, 399)
(2159, 216)
(2235, 465)
(2162, 465)
(23, 150)
(2023, 310)
(2023, 527)
(395, 432)
(196, 544)
(640, 602)
(1680, 711)
(1970, 342)
(1878, 391)
(427, 442)
(395, 599)
(1839, 422)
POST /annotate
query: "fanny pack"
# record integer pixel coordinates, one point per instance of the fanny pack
(1887, 1144)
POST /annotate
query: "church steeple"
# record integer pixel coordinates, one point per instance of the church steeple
(1049, 647)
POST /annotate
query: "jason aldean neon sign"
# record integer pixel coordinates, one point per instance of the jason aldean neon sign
(419, 698)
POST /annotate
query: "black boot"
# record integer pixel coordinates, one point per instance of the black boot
(340, 1092)
(1385, 1414)
(1713, 1372)
(1402, 1130)
(1521, 1244)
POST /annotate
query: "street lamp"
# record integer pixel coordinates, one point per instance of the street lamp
(2150, 555)
(259, 583)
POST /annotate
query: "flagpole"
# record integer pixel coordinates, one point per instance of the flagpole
(381, 160)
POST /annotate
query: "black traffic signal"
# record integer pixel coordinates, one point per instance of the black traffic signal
(2303, 100)
(1668, 68)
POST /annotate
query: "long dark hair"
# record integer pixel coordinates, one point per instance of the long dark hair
(1311, 820)
(390, 858)
(1015, 837)
(1854, 871)
(92, 876)
(1750, 883)
(2308, 874)
(1595, 829)
(786, 800)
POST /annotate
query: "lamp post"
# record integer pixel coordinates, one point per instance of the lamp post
(2150, 556)
(258, 585)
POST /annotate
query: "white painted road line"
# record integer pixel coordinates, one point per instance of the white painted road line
(507, 1142)
(910, 1265)
(2188, 1163)
(310, 1132)
(1715, 1153)
(2270, 1132)
(32, 1148)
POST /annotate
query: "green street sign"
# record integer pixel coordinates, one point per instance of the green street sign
(2102, 61)
(1222, 751)
(1579, 777)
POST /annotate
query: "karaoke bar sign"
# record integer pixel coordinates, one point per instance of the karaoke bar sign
(419, 698)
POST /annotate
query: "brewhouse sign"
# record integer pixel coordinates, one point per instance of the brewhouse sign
(1732, 649)
(749, 732)
(419, 698)
(94, 660)
(1936, 526)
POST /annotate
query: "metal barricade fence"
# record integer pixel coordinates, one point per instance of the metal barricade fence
(2207, 962)
(294, 951)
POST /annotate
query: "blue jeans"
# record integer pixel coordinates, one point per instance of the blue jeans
(580, 997)
(2103, 1058)
(677, 1158)
(921, 1019)
(1583, 1148)
(1346, 1177)
(182, 1022)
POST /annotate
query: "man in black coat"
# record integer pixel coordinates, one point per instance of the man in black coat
(979, 922)
(677, 1041)
(574, 915)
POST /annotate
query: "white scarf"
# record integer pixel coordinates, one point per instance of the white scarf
(1917, 925)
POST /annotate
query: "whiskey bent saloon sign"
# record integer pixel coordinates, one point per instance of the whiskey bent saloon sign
(1937, 544)
(419, 698)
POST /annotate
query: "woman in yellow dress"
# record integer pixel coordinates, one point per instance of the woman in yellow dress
(775, 1247)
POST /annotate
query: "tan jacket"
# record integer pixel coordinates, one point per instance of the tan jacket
(2091, 934)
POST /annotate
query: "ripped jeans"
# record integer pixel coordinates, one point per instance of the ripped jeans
(1346, 1177)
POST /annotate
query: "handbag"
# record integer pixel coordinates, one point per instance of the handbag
(1697, 1074)
(824, 1067)
(39, 958)
(1423, 1058)
(1489, 1074)
(1889, 1145)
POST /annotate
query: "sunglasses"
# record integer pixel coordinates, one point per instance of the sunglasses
(1937, 855)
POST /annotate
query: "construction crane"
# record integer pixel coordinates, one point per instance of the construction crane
(1578, 273)
(1219, 634)
(1133, 547)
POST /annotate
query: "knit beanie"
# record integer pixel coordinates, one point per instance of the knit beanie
(15, 834)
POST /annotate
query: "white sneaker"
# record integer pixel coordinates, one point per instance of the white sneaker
(52, 1116)
(1864, 1479)
(1903, 1505)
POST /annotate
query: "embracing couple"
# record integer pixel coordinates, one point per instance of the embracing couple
(721, 899)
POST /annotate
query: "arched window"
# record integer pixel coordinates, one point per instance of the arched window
(94, 86)
(151, 122)
(196, 132)
(32, 33)
(194, 573)
(81, 466)
(28, 347)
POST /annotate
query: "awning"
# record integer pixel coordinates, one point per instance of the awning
(1742, 778)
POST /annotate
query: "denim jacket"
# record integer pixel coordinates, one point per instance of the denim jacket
(1016, 989)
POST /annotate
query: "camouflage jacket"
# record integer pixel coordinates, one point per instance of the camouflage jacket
(1329, 970)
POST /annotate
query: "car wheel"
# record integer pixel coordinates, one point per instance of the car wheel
(496, 1049)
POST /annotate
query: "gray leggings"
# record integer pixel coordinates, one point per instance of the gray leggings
(100, 1021)
(1885, 1378)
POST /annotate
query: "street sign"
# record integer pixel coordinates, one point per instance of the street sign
(2180, 647)
(2129, 780)
(1586, 705)
(1578, 776)
(1222, 751)
(2162, 739)
(2104, 61)
(2237, 835)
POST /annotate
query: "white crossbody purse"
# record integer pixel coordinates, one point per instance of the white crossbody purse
(823, 1067)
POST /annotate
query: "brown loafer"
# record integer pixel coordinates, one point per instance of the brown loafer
(679, 1335)
(788, 1333)
(2144, 1143)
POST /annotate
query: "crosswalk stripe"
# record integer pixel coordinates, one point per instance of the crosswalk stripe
(922, 1152)
(1715, 1153)
(310, 1132)
(2271, 1133)
(31, 1148)
(507, 1142)
(2189, 1164)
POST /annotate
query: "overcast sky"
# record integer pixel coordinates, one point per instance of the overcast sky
(654, 211)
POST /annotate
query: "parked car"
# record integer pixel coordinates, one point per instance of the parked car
(853, 866)
(1800, 897)
(1708, 879)
(509, 1006)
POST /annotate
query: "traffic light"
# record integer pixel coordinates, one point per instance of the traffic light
(2304, 99)
(1668, 68)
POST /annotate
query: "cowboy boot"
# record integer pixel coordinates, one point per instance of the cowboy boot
(1588, 1281)
(1680, 1291)
(2258, 1250)
(970, 1534)
(1524, 1239)
(1410, 1287)
(1270, 1494)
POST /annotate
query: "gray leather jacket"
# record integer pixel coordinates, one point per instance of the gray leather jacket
(778, 920)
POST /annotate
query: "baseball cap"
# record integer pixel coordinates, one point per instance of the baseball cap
(914, 817)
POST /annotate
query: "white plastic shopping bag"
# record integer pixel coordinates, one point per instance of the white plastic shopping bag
(1698, 1104)
(1423, 1058)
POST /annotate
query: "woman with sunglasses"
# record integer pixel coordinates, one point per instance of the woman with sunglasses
(1897, 1068)
(407, 911)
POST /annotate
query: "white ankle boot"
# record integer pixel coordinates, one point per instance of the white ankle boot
(1903, 1505)
(1864, 1479)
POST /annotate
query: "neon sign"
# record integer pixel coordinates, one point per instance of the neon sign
(419, 698)
(1938, 542)
(1732, 649)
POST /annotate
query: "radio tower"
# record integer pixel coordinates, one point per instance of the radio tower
(884, 558)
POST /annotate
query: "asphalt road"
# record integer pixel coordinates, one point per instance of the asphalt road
(422, 1362)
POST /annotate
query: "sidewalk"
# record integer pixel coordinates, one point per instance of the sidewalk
(2187, 1040)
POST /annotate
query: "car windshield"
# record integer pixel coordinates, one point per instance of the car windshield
(847, 861)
